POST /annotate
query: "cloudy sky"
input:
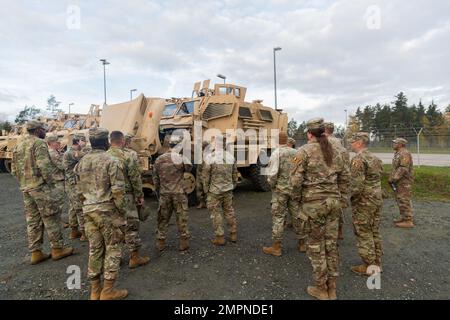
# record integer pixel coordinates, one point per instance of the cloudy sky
(335, 55)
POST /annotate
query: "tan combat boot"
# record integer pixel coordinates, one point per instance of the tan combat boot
(161, 244)
(111, 293)
(331, 284)
(378, 263)
(75, 234)
(274, 250)
(184, 244)
(136, 260)
(96, 289)
(360, 269)
(218, 241)
(320, 293)
(233, 236)
(83, 237)
(38, 256)
(201, 205)
(405, 224)
(340, 232)
(60, 253)
(302, 245)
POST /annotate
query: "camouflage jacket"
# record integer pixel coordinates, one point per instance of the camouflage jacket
(132, 171)
(31, 163)
(280, 166)
(337, 143)
(57, 159)
(219, 173)
(402, 167)
(365, 185)
(70, 159)
(168, 172)
(312, 179)
(101, 182)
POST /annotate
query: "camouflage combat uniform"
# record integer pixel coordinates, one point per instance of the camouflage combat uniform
(320, 189)
(57, 159)
(168, 178)
(280, 165)
(201, 197)
(102, 186)
(70, 159)
(133, 189)
(35, 172)
(220, 177)
(367, 202)
(402, 176)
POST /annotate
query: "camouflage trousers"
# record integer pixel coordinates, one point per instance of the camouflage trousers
(60, 192)
(199, 187)
(168, 203)
(42, 212)
(322, 249)
(218, 203)
(132, 239)
(104, 229)
(283, 205)
(403, 195)
(76, 217)
(366, 223)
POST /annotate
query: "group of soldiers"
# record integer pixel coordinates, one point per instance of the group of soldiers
(312, 184)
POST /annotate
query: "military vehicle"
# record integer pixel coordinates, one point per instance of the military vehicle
(153, 120)
(64, 125)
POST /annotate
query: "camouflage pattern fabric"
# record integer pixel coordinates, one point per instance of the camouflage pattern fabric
(168, 173)
(199, 184)
(35, 172)
(282, 204)
(218, 203)
(104, 231)
(403, 176)
(57, 160)
(367, 202)
(102, 187)
(280, 166)
(219, 173)
(321, 190)
(168, 203)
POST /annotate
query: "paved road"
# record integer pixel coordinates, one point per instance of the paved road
(438, 160)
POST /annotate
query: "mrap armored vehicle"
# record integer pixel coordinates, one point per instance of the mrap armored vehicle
(151, 122)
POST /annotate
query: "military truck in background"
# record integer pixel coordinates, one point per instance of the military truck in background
(64, 125)
(153, 120)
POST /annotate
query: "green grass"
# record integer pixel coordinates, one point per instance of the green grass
(430, 183)
(413, 150)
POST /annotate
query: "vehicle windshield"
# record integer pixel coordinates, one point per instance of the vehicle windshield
(187, 108)
(69, 124)
(169, 110)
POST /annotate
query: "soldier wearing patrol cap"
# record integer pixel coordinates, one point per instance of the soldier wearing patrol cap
(102, 187)
(71, 157)
(366, 199)
(320, 181)
(402, 177)
(35, 172)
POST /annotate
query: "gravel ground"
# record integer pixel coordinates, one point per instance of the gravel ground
(416, 261)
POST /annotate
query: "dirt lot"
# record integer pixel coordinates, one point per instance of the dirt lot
(415, 263)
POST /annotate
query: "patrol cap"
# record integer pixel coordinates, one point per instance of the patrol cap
(98, 133)
(364, 136)
(329, 125)
(316, 123)
(291, 141)
(33, 125)
(400, 141)
(79, 136)
(52, 138)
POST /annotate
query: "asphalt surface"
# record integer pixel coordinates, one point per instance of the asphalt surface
(416, 262)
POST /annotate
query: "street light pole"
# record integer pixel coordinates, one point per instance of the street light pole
(221, 76)
(104, 62)
(275, 74)
(131, 93)
(70, 104)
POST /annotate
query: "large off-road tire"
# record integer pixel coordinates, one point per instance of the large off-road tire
(7, 165)
(259, 181)
(2, 166)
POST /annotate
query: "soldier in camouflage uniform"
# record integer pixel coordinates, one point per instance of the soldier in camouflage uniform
(36, 173)
(220, 177)
(57, 159)
(102, 187)
(201, 196)
(367, 202)
(134, 195)
(320, 181)
(280, 165)
(402, 176)
(337, 144)
(168, 178)
(70, 159)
